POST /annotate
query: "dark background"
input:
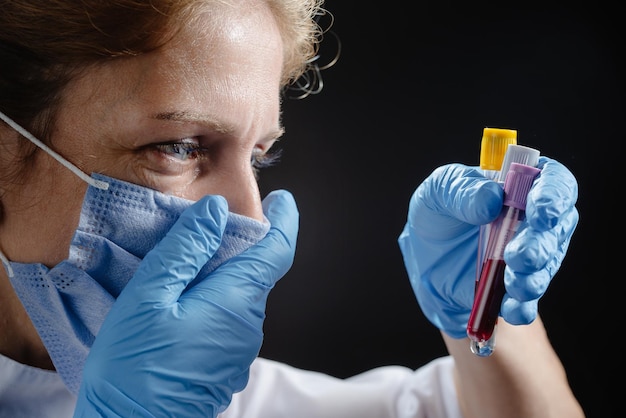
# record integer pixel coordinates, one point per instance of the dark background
(414, 87)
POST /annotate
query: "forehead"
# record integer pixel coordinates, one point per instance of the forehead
(222, 59)
(227, 37)
(225, 58)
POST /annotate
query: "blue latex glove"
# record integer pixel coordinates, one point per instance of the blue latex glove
(440, 239)
(164, 351)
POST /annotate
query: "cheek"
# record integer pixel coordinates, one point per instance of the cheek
(60, 205)
(39, 227)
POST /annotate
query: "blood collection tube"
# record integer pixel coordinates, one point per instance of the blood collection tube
(517, 154)
(514, 154)
(493, 146)
(482, 323)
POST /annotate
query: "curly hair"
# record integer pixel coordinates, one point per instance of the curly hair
(45, 43)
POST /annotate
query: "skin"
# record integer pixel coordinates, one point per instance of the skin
(523, 378)
(216, 85)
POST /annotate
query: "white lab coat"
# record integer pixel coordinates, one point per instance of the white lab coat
(275, 390)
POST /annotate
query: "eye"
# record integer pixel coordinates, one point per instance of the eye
(183, 150)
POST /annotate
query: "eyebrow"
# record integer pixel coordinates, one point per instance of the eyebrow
(221, 127)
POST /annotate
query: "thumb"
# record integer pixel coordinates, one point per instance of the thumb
(451, 198)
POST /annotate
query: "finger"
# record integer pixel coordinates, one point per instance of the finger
(273, 256)
(553, 194)
(533, 258)
(518, 313)
(242, 283)
(525, 287)
(266, 262)
(530, 249)
(175, 261)
(452, 197)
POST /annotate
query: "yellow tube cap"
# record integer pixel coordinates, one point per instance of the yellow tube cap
(493, 147)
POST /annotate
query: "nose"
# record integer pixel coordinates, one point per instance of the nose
(238, 184)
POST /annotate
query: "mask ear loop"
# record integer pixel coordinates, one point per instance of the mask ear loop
(91, 181)
(100, 184)
(7, 264)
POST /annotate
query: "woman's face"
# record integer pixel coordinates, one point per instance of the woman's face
(185, 120)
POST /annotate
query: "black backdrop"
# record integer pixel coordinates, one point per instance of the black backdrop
(413, 89)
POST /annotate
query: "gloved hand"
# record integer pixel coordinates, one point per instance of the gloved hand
(164, 351)
(439, 242)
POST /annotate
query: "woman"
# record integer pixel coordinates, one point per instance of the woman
(130, 211)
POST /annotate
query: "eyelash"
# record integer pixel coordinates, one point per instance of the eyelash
(191, 150)
(268, 159)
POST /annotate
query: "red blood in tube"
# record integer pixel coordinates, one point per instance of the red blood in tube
(489, 294)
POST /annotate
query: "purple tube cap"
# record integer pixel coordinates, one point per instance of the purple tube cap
(517, 184)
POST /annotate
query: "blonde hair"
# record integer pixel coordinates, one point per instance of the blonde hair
(45, 43)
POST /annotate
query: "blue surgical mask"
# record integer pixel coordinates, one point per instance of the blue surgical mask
(119, 223)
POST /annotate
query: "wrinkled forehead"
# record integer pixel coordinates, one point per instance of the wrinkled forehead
(218, 30)
(232, 48)
(207, 18)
